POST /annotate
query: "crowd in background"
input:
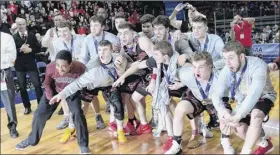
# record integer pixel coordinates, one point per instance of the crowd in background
(248, 9)
(46, 24)
(39, 15)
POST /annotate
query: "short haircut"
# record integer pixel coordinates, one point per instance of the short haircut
(161, 19)
(199, 19)
(64, 55)
(125, 25)
(105, 43)
(19, 18)
(120, 15)
(98, 19)
(147, 18)
(63, 24)
(235, 46)
(199, 56)
(58, 14)
(164, 47)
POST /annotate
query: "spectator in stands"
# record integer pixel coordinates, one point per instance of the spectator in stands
(4, 26)
(13, 8)
(11, 17)
(241, 29)
(8, 57)
(27, 46)
(3, 10)
(13, 29)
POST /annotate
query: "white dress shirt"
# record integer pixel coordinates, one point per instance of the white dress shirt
(8, 50)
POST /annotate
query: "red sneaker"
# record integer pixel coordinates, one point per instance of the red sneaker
(112, 126)
(144, 129)
(129, 128)
(167, 145)
(136, 123)
(265, 149)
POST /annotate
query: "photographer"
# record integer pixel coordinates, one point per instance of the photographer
(241, 29)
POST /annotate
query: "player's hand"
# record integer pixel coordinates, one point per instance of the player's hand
(180, 7)
(182, 59)
(151, 86)
(175, 86)
(57, 98)
(119, 82)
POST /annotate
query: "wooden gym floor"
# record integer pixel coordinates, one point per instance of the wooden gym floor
(103, 142)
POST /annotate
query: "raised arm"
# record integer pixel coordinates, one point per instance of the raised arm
(146, 45)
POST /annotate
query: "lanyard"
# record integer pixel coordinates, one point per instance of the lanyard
(168, 78)
(96, 43)
(169, 38)
(71, 48)
(241, 28)
(206, 44)
(205, 93)
(129, 50)
(233, 85)
(111, 74)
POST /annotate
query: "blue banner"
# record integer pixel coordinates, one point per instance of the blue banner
(169, 7)
(267, 52)
(31, 95)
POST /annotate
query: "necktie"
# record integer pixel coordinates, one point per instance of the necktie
(23, 37)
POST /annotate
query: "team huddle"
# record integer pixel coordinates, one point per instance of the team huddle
(196, 67)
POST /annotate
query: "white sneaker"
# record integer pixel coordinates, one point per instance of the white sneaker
(208, 133)
(175, 148)
(228, 149)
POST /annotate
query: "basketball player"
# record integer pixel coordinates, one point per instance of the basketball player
(200, 80)
(107, 73)
(163, 54)
(249, 83)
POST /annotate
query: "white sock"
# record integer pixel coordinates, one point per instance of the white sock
(225, 142)
(248, 151)
(119, 125)
(71, 126)
(263, 142)
(112, 117)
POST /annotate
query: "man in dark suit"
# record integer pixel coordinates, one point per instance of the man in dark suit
(27, 45)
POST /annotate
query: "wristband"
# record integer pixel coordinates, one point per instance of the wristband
(154, 76)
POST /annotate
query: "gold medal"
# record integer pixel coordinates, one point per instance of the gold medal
(203, 102)
(231, 100)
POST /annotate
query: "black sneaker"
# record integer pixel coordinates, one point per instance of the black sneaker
(99, 122)
(22, 145)
(85, 150)
(13, 133)
(108, 110)
(213, 122)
